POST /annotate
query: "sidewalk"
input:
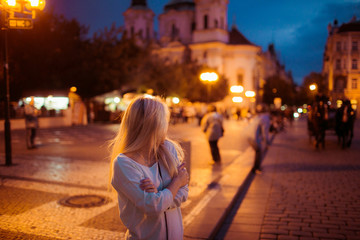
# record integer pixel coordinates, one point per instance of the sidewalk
(302, 193)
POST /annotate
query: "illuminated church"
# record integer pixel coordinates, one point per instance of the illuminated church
(200, 27)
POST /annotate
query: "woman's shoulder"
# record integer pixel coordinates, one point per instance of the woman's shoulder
(170, 145)
(173, 149)
(122, 159)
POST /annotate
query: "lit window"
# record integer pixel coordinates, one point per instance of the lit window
(354, 46)
(354, 83)
(354, 64)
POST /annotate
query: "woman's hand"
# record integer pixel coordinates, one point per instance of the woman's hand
(178, 181)
(147, 186)
(183, 176)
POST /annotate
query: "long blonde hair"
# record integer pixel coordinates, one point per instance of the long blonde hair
(145, 123)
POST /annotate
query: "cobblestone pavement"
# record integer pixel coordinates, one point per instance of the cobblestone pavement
(303, 193)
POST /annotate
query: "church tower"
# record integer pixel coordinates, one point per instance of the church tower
(139, 20)
(177, 23)
(211, 21)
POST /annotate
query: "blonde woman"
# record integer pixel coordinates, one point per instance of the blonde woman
(147, 173)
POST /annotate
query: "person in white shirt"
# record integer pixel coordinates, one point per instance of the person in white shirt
(147, 172)
(31, 123)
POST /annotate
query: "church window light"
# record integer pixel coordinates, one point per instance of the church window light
(354, 83)
(205, 21)
(354, 64)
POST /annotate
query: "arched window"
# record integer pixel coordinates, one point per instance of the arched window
(216, 23)
(174, 31)
(132, 31)
(205, 21)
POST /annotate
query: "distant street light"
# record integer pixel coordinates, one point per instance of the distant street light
(250, 94)
(208, 78)
(236, 89)
(312, 87)
(237, 99)
(8, 9)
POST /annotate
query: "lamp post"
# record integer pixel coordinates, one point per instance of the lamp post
(9, 21)
(208, 78)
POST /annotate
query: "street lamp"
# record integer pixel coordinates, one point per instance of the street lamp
(208, 78)
(312, 87)
(8, 9)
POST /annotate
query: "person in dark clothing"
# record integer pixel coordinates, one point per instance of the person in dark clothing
(212, 126)
(319, 118)
(345, 118)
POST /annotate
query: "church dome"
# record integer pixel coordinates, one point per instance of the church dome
(138, 4)
(180, 5)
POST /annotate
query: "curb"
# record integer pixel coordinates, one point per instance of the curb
(220, 198)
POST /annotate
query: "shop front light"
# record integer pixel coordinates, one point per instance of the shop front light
(116, 100)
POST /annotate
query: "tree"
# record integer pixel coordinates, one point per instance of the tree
(305, 94)
(276, 87)
(50, 56)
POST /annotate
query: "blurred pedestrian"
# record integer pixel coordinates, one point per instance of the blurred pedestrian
(212, 126)
(31, 123)
(255, 135)
(319, 116)
(147, 173)
(345, 119)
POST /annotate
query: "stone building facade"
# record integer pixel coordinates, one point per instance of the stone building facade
(341, 64)
(200, 27)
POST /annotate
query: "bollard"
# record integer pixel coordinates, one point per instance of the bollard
(186, 146)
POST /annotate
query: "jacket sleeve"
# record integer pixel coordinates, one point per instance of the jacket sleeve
(182, 195)
(126, 180)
